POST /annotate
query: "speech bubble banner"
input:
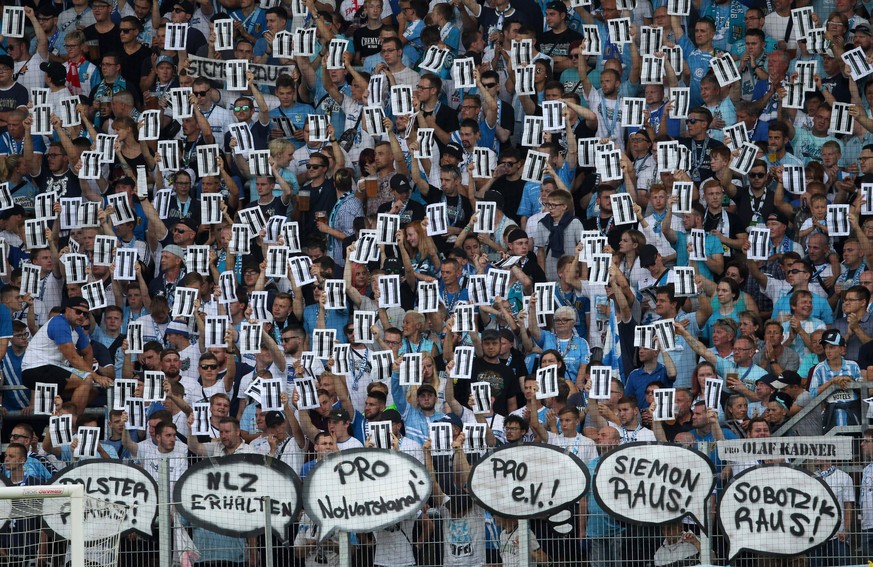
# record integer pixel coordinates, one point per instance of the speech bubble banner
(113, 481)
(526, 481)
(777, 510)
(364, 490)
(653, 484)
(227, 495)
(744, 450)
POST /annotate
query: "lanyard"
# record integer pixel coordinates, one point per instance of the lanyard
(611, 128)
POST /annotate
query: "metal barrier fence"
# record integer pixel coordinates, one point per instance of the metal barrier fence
(243, 510)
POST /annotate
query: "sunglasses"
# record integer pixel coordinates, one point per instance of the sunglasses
(314, 166)
(208, 366)
(179, 10)
(795, 272)
(489, 85)
(758, 175)
(694, 120)
(241, 108)
(126, 30)
(201, 93)
(81, 312)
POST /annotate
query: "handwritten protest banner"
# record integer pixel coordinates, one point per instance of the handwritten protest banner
(227, 495)
(645, 483)
(777, 510)
(525, 481)
(113, 481)
(364, 490)
(214, 69)
(744, 450)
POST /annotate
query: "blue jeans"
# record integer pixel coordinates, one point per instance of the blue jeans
(833, 553)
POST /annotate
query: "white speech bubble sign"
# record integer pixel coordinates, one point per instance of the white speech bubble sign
(226, 495)
(777, 510)
(365, 490)
(113, 481)
(654, 483)
(525, 481)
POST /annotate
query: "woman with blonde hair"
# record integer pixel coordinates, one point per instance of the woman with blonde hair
(421, 260)
(130, 152)
(282, 153)
(429, 375)
(628, 250)
(23, 191)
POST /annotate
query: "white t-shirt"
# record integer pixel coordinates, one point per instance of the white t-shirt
(177, 460)
(581, 446)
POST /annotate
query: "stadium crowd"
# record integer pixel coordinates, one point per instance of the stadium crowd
(773, 332)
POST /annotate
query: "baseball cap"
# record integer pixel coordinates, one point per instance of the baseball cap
(7, 61)
(768, 379)
(72, 302)
(787, 378)
(495, 197)
(190, 223)
(832, 337)
(557, 6)
(505, 333)
(863, 28)
(274, 418)
(648, 253)
(393, 266)
(400, 183)
(516, 234)
(55, 71)
(392, 415)
(778, 217)
(177, 328)
(490, 335)
(185, 5)
(165, 59)
(46, 9)
(453, 419)
(426, 389)
(175, 250)
(452, 149)
(11, 212)
(338, 414)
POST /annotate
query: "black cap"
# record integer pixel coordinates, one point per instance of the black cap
(274, 418)
(72, 302)
(55, 71)
(490, 335)
(453, 419)
(862, 28)
(251, 264)
(454, 149)
(768, 379)
(400, 183)
(787, 378)
(557, 6)
(392, 415)
(516, 234)
(46, 9)
(338, 414)
(393, 266)
(648, 253)
(7, 61)
(832, 337)
(12, 211)
(505, 333)
(778, 217)
(426, 389)
(190, 223)
(495, 197)
(185, 5)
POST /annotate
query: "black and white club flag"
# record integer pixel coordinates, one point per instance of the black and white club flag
(437, 219)
(698, 245)
(497, 283)
(153, 386)
(362, 322)
(475, 438)
(87, 215)
(34, 234)
(532, 134)
(841, 121)
(135, 340)
(202, 416)
(653, 70)
(683, 190)
(183, 301)
(151, 125)
(795, 96)
(477, 289)
(379, 433)
(240, 237)
(70, 212)
(666, 400)
(106, 147)
(534, 166)
(484, 163)
(242, 133)
(30, 278)
(42, 120)
(44, 398)
(411, 371)
(743, 162)
(545, 297)
(61, 429)
(681, 98)
(176, 38)
(547, 382)
(712, 389)
(387, 225)
(598, 269)
(759, 241)
(307, 390)
(462, 73)
(401, 100)
(867, 198)
(619, 30)
(601, 383)
(521, 52)
(587, 151)
(801, 19)
(210, 208)
(380, 364)
(223, 30)
(180, 103)
(215, 330)
(123, 390)
(235, 72)
(806, 74)
(650, 40)
(525, 84)
(376, 90)
(838, 220)
(486, 212)
(389, 291)
(481, 393)
(666, 334)
(667, 156)
(304, 42)
(123, 212)
(736, 135)
(259, 163)
(90, 166)
(4, 257)
(75, 268)
(794, 179)
(227, 286)
(428, 297)
(364, 248)
(13, 21)
(579, 3)
(277, 262)
(301, 270)
(197, 259)
(95, 294)
(335, 50)
(69, 115)
(623, 5)
(104, 250)
(168, 152)
(335, 290)
(591, 40)
(250, 337)
(592, 245)
(88, 440)
(683, 281)
(623, 209)
(162, 202)
(553, 115)
(434, 60)
(465, 318)
(253, 217)
(424, 137)
(6, 200)
(676, 60)
(463, 363)
(441, 439)
(632, 115)
(271, 394)
(317, 128)
(644, 336)
(725, 70)
(207, 160)
(341, 358)
(374, 118)
(609, 166)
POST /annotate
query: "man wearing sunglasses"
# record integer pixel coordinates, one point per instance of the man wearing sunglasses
(60, 353)
(699, 143)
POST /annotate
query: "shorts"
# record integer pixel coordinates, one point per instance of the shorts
(49, 374)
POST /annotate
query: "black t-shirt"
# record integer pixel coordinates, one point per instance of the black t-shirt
(132, 65)
(275, 208)
(413, 211)
(107, 42)
(558, 44)
(447, 119)
(504, 384)
(458, 208)
(838, 85)
(367, 41)
(512, 192)
(701, 157)
(321, 198)
(13, 97)
(751, 209)
(65, 184)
